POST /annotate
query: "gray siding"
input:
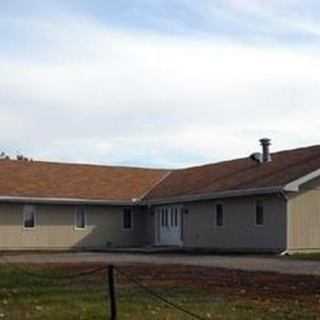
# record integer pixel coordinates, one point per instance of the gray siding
(239, 231)
(150, 231)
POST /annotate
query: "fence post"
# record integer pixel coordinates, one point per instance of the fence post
(112, 295)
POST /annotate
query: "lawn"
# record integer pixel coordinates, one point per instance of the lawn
(37, 292)
(304, 256)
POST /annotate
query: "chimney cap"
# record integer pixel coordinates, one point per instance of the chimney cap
(265, 141)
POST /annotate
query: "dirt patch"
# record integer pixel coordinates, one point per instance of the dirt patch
(262, 287)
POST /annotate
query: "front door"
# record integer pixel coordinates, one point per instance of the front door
(169, 219)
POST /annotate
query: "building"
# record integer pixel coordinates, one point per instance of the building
(262, 203)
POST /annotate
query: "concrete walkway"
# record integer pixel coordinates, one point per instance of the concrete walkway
(240, 262)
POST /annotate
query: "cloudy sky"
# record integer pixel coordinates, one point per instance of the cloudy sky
(157, 83)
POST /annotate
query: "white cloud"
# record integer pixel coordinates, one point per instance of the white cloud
(100, 95)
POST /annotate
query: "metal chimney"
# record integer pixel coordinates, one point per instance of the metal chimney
(265, 143)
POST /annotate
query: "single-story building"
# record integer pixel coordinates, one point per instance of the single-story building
(264, 202)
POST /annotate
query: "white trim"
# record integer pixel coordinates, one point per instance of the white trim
(75, 219)
(132, 219)
(74, 201)
(34, 217)
(295, 185)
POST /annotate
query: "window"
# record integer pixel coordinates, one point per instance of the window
(162, 218)
(80, 220)
(29, 217)
(171, 217)
(259, 213)
(176, 217)
(219, 215)
(127, 219)
(166, 218)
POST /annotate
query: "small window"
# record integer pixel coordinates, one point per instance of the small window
(176, 217)
(166, 217)
(127, 219)
(29, 217)
(259, 213)
(171, 217)
(162, 218)
(219, 215)
(80, 222)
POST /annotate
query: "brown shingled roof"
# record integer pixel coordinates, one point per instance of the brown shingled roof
(240, 174)
(108, 183)
(75, 181)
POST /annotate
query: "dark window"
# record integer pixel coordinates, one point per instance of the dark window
(259, 213)
(127, 218)
(162, 218)
(176, 217)
(171, 217)
(219, 215)
(29, 217)
(80, 222)
(166, 218)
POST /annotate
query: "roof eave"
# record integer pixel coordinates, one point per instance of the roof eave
(67, 201)
(290, 187)
(215, 195)
(294, 186)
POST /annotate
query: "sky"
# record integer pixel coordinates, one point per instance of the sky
(157, 83)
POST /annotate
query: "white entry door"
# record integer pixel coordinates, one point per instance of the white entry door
(169, 219)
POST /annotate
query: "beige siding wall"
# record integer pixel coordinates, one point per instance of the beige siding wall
(239, 231)
(304, 219)
(55, 228)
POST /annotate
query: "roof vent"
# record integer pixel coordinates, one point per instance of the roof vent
(265, 143)
(257, 156)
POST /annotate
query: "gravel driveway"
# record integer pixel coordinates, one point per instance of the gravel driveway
(240, 262)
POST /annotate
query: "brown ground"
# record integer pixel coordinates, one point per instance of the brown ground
(264, 288)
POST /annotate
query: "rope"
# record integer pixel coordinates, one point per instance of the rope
(158, 296)
(93, 271)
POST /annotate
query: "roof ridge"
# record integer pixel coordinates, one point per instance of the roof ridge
(244, 158)
(57, 163)
(163, 178)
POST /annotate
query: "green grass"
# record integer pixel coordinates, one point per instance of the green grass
(305, 256)
(25, 297)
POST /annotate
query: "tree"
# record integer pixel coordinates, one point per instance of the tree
(4, 156)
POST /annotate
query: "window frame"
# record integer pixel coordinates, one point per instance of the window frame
(33, 209)
(216, 215)
(261, 203)
(131, 219)
(84, 211)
